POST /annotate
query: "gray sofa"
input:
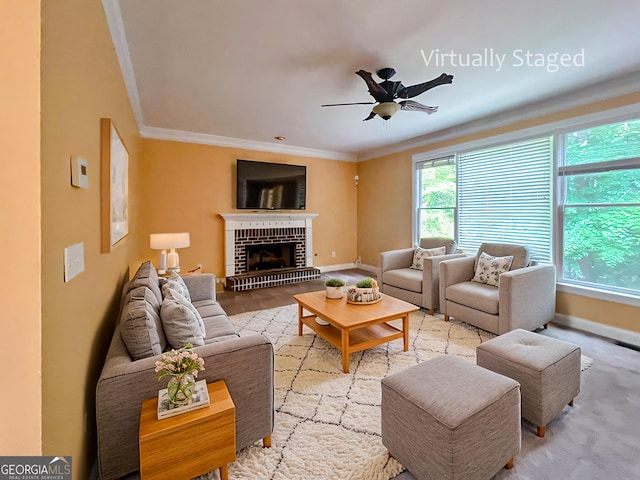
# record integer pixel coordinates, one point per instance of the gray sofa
(525, 296)
(420, 287)
(244, 363)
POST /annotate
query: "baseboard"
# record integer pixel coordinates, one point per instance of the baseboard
(615, 333)
(340, 266)
(368, 268)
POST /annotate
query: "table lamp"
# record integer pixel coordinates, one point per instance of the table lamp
(164, 241)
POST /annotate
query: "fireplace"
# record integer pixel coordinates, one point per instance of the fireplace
(266, 249)
(270, 256)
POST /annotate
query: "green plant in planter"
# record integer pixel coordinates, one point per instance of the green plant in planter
(334, 282)
(365, 283)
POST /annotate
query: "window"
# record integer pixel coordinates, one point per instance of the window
(505, 196)
(437, 198)
(599, 207)
(581, 212)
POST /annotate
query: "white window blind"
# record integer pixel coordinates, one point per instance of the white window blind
(505, 196)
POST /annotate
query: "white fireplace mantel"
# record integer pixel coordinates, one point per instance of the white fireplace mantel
(240, 221)
(267, 220)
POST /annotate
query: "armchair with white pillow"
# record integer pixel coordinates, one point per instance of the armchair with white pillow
(498, 290)
(411, 274)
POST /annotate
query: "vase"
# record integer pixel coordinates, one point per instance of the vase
(180, 389)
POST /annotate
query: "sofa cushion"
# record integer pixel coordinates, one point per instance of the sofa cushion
(208, 308)
(405, 278)
(489, 268)
(478, 296)
(176, 282)
(219, 328)
(420, 253)
(140, 325)
(147, 276)
(217, 324)
(181, 326)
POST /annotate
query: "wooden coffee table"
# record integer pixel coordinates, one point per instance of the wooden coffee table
(353, 328)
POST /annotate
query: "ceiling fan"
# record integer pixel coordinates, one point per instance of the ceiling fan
(386, 92)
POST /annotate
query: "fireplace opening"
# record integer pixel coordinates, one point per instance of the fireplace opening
(270, 256)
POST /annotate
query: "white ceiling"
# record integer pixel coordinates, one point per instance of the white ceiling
(238, 72)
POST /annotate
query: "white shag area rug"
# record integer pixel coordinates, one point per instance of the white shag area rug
(327, 423)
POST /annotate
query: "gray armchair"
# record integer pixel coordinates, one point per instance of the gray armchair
(524, 298)
(420, 287)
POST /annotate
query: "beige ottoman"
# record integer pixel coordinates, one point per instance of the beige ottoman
(450, 419)
(547, 369)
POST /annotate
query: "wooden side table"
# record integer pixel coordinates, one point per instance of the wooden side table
(189, 444)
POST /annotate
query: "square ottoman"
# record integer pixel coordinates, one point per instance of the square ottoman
(450, 419)
(547, 369)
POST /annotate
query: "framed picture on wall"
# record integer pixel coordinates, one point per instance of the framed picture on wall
(114, 186)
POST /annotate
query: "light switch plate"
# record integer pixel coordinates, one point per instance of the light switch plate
(73, 261)
(79, 172)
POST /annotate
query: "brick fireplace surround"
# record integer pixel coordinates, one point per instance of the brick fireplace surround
(267, 228)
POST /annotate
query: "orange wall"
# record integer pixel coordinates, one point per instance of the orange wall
(185, 187)
(20, 341)
(81, 82)
(378, 195)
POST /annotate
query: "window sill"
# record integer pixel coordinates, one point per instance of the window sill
(599, 294)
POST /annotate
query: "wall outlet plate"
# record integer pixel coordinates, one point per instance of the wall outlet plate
(79, 172)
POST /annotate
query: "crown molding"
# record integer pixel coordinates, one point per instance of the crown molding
(114, 20)
(220, 141)
(601, 91)
(593, 93)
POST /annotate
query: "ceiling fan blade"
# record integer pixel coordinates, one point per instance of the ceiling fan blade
(371, 115)
(376, 91)
(415, 90)
(413, 106)
(341, 104)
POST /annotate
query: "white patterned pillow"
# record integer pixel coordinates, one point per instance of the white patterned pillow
(172, 294)
(489, 268)
(175, 282)
(180, 321)
(419, 254)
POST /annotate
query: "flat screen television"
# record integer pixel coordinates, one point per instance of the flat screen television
(270, 186)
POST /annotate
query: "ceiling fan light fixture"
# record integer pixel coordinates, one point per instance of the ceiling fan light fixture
(386, 109)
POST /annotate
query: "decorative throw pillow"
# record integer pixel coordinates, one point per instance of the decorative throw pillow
(489, 268)
(180, 324)
(140, 326)
(419, 254)
(173, 294)
(176, 282)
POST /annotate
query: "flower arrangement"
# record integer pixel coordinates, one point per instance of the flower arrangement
(179, 362)
(182, 366)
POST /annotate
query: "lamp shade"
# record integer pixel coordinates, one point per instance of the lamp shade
(163, 241)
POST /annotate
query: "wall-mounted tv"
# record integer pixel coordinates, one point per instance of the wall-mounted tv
(270, 186)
